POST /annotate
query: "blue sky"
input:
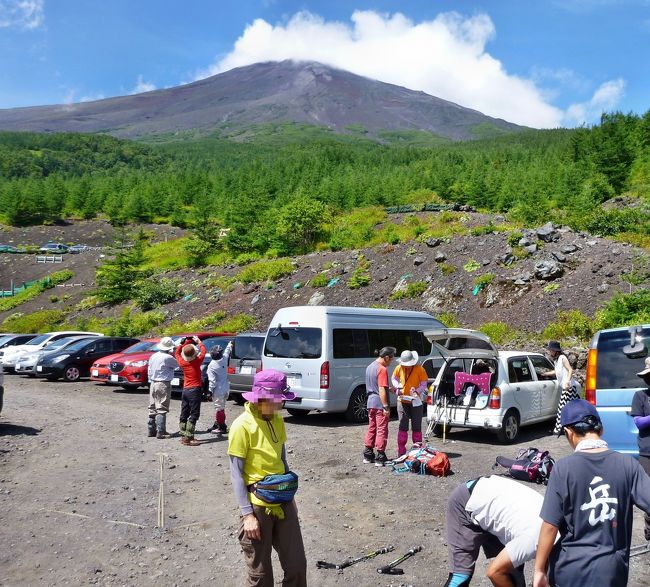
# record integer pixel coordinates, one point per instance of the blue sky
(543, 63)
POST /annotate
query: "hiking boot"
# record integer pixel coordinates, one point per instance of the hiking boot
(381, 459)
(214, 428)
(151, 427)
(368, 456)
(185, 441)
(222, 429)
(163, 435)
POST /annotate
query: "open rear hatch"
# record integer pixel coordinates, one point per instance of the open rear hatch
(461, 343)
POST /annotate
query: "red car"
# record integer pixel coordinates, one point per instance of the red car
(129, 368)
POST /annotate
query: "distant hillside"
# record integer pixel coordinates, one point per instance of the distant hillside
(272, 92)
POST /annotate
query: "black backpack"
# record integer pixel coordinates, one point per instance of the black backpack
(530, 464)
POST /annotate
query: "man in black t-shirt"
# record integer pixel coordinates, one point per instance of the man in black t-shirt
(641, 414)
(589, 501)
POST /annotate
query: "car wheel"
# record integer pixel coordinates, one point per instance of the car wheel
(437, 431)
(71, 373)
(357, 411)
(238, 398)
(129, 387)
(296, 413)
(509, 427)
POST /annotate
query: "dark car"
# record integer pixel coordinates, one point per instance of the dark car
(178, 380)
(245, 361)
(75, 360)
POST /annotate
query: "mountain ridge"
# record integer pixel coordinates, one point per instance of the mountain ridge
(269, 92)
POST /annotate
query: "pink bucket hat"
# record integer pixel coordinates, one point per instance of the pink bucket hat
(269, 384)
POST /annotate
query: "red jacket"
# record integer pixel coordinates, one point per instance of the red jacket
(191, 369)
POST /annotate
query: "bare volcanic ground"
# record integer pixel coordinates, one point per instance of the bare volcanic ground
(79, 491)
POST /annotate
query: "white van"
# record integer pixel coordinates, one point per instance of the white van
(324, 351)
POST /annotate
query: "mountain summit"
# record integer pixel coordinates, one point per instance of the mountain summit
(271, 92)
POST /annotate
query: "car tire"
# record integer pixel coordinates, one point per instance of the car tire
(357, 411)
(509, 431)
(238, 398)
(296, 413)
(72, 373)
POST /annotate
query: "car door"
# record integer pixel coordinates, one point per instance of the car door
(524, 389)
(100, 348)
(549, 391)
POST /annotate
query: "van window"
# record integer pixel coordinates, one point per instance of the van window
(294, 343)
(614, 369)
(349, 343)
(248, 347)
(518, 370)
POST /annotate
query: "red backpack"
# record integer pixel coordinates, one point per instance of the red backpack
(424, 460)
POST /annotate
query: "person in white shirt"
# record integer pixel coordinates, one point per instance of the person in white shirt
(499, 515)
(160, 373)
(219, 386)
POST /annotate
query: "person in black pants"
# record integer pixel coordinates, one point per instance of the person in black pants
(641, 414)
(190, 356)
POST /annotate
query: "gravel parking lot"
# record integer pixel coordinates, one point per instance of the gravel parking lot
(79, 486)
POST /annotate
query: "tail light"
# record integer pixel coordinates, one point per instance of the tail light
(231, 370)
(325, 375)
(429, 399)
(590, 383)
(495, 399)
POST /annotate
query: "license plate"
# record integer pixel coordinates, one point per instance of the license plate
(17, 367)
(95, 373)
(176, 382)
(39, 368)
(293, 381)
(246, 370)
(115, 378)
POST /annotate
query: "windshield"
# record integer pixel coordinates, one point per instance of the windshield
(248, 347)
(140, 347)
(60, 342)
(39, 339)
(75, 346)
(6, 338)
(614, 369)
(294, 343)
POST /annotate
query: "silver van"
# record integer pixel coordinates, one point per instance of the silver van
(324, 350)
(245, 361)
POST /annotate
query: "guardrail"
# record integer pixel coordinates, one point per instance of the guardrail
(49, 259)
(422, 208)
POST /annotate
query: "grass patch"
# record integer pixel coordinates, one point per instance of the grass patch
(41, 321)
(412, 290)
(499, 332)
(484, 280)
(551, 287)
(129, 323)
(361, 275)
(447, 269)
(570, 324)
(35, 290)
(216, 321)
(450, 320)
(166, 255)
(320, 280)
(265, 270)
(471, 266)
(624, 310)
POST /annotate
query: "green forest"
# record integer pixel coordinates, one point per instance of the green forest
(282, 190)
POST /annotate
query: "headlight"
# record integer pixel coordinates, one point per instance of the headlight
(60, 358)
(137, 364)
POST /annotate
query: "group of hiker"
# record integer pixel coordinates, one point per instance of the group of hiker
(579, 532)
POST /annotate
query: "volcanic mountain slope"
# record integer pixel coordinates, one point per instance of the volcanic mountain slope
(287, 91)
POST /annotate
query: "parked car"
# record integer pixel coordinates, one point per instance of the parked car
(9, 339)
(54, 248)
(615, 357)
(130, 372)
(9, 249)
(127, 368)
(245, 361)
(10, 354)
(517, 393)
(74, 361)
(179, 378)
(75, 249)
(26, 362)
(2, 388)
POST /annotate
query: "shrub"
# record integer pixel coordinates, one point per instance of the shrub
(447, 269)
(489, 228)
(625, 310)
(471, 266)
(450, 320)
(152, 293)
(238, 323)
(265, 270)
(570, 324)
(499, 332)
(88, 302)
(514, 238)
(485, 279)
(222, 282)
(520, 252)
(551, 287)
(361, 275)
(204, 323)
(320, 280)
(246, 258)
(54, 299)
(132, 323)
(41, 321)
(412, 290)
(35, 290)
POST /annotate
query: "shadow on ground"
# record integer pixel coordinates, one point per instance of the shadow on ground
(17, 430)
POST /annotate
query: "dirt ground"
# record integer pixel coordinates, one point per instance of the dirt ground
(79, 485)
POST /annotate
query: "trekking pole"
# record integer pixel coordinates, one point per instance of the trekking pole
(640, 549)
(391, 568)
(354, 561)
(161, 492)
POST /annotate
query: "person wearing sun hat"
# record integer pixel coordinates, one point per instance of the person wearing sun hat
(410, 380)
(641, 415)
(256, 447)
(189, 354)
(160, 373)
(589, 501)
(563, 372)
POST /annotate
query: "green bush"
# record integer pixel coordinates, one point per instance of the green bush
(514, 238)
(499, 332)
(485, 279)
(265, 270)
(238, 323)
(41, 321)
(361, 275)
(320, 280)
(570, 324)
(35, 290)
(625, 310)
(471, 266)
(551, 287)
(412, 290)
(447, 269)
(449, 319)
(153, 293)
(132, 323)
(222, 282)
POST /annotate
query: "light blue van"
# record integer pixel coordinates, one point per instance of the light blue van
(615, 357)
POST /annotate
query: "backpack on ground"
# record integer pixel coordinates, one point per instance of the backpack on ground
(424, 460)
(530, 464)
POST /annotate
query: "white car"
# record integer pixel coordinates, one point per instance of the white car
(517, 393)
(12, 354)
(26, 361)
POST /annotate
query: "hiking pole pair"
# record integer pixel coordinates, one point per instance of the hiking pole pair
(640, 549)
(350, 562)
(391, 568)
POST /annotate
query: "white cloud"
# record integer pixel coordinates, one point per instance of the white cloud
(142, 86)
(444, 57)
(606, 97)
(21, 14)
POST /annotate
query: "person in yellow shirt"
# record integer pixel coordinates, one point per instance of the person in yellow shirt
(256, 447)
(410, 380)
